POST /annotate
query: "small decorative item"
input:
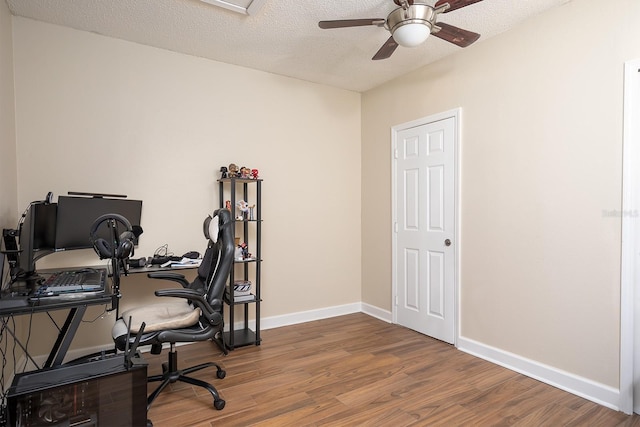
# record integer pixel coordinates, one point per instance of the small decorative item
(242, 252)
(245, 172)
(224, 172)
(254, 173)
(251, 209)
(227, 205)
(243, 207)
(244, 248)
(233, 170)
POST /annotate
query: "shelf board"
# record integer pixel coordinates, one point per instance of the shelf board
(235, 302)
(240, 261)
(242, 337)
(239, 180)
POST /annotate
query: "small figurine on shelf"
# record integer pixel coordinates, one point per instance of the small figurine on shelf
(224, 172)
(227, 205)
(233, 170)
(245, 172)
(244, 248)
(244, 209)
(254, 173)
(251, 209)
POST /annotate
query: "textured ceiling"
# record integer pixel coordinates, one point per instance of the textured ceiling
(282, 37)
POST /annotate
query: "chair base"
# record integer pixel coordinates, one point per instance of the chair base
(171, 374)
(219, 340)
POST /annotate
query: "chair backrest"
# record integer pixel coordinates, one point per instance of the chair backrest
(223, 261)
(206, 268)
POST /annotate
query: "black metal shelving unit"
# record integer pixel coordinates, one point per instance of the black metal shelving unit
(248, 230)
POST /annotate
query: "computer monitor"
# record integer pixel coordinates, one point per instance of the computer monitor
(37, 233)
(76, 215)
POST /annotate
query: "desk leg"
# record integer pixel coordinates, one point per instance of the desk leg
(59, 350)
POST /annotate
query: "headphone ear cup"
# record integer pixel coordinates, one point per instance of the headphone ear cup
(125, 250)
(103, 249)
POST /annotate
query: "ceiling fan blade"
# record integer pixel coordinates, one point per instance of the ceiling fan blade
(455, 35)
(342, 23)
(386, 50)
(454, 4)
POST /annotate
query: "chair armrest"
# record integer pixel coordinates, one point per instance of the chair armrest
(190, 294)
(175, 277)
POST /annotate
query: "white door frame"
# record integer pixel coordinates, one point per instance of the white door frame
(456, 114)
(629, 270)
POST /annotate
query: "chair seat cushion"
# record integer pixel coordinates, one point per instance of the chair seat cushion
(158, 317)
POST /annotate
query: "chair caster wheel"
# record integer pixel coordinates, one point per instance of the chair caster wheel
(219, 404)
(221, 374)
(149, 423)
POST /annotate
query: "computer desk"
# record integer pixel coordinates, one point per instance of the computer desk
(17, 303)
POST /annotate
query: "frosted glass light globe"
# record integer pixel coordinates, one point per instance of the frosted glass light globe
(411, 35)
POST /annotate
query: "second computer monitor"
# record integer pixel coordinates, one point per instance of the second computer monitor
(36, 235)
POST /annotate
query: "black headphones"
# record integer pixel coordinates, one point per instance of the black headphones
(123, 246)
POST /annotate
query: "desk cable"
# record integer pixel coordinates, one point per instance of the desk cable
(4, 347)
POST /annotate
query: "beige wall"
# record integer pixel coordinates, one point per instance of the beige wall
(541, 163)
(540, 160)
(103, 115)
(8, 186)
(8, 178)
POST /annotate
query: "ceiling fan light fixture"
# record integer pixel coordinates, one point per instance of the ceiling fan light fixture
(411, 23)
(412, 34)
(411, 27)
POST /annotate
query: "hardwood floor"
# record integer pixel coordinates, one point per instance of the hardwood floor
(356, 370)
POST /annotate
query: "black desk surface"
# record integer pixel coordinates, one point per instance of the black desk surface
(20, 304)
(16, 300)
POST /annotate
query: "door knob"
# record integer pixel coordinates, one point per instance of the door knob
(447, 242)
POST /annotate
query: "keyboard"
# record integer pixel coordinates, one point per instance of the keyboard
(69, 282)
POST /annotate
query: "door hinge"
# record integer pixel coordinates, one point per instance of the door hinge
(395, 153)
(395, 227)
(396, 298)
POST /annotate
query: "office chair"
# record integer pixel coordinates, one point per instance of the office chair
(194, 314)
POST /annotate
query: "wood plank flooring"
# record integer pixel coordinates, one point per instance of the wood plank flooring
(356, 370)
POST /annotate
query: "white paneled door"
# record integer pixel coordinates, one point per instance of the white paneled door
(630, 266)
(424, 227)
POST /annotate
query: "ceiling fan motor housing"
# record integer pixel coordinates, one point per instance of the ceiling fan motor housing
(420, 14)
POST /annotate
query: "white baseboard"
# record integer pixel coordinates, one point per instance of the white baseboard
(322, 313)
(580, 386)
(309, 316)
(377, 312)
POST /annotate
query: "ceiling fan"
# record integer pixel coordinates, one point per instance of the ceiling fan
(411, 23)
